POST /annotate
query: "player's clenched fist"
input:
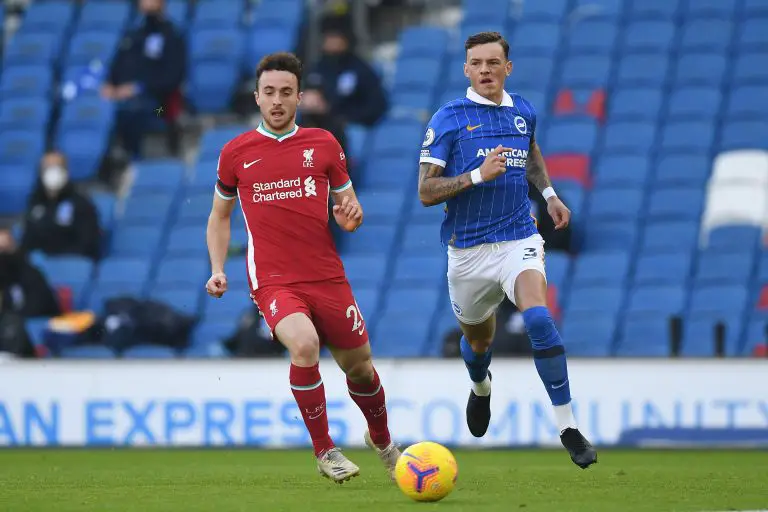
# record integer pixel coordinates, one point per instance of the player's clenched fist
(495, 163)
(216, 285)
(348, 214)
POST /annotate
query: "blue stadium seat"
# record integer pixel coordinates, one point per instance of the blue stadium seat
(589, 335)
(187, 240)
(636, 105)
(184, 299)
(211, 332)
(420, 270)
(609, 268)
(261, 40)
(154, 176)
(754, 8)
(643, 335)
(629, 137)
(573, 195)
(747, 102)
(609, 235)
(32, 48)
(367, 298)
(472, 25)
(194, 209)
(212, 84)
(357, 141)
(571, 136)
(86, 113)
(421, 239)
(676, 204)
(177, 12)
(670, 235)
(420, 214)
(680, 169)
(84, 147)
(401, 335)
(106, 15)
(753, 36)
(750, 68)
(74, 272)
(716, 267)
(654, 9)
(390, 172)
(643, 70)
(105, 207)
(688, 136)
(417, 72)
(216, 44)
(649, 36)
(214, 139)
(367, 270)
(26, 81)
(602, 9)
(148, 208)
(608, 299)
(530, 72)
(592, 36)
(21, 148)
(536, 38)
(704, 69)
(615, 203)
(284, 12)
(709, 34)
(208, 351)
(422, 41)
(592, 71)
(227, 309)
(695, 103)
(734, 238)
(382, 206)
(87, 352)
(52, 16)
(558, 266)
(756, 334)
(87, 46)
(537, 98)
(409, 100)
(718, 300)
(711, 9)
(113, 271)
(744, 135)
(24, 114)
(660, 300)
(545, 10)
(374, 239)
(217, 15)
(149, 352)
(673, 268)
(180, 271)
(392, 137)
(699, 336)
(456, 81)
(622, 170)
(404, 300)
(101, 293)
(136, 240)
(480, 11)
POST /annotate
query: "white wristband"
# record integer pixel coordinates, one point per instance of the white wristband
(548, 192)
(476, 177)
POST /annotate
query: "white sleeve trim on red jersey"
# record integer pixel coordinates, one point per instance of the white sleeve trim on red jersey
(342, 188)
(226, 198)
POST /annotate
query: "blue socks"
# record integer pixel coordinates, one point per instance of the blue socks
(477, 364)
(548, 354)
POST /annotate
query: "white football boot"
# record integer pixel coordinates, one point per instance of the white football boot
(388, 455)
(335, 466)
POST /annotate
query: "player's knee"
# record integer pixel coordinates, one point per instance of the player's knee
(305, 351)
(480, 345)
(361, 371)
(540, 327)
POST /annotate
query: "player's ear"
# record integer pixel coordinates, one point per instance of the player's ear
(301, 96)
(508, 67)
(466, 70)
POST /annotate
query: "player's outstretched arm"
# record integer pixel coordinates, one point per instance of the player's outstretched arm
(217, 237)
(347, 210)
(536, 172)
(435, 189)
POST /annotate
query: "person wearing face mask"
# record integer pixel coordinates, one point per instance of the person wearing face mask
(146, 75)
(350, 85)
(59, 219)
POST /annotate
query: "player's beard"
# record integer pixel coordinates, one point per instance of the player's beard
(281, 123)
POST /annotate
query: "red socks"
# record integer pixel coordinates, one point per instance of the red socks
(370, 399)
(309, 392)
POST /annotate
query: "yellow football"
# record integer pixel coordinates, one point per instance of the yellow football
(426, 471)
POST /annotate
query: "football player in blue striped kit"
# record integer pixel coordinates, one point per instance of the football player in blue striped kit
(477, 157)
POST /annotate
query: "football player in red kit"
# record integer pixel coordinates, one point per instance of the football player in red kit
(282, 175)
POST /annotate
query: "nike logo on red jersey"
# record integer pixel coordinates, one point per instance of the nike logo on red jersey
(245, 165)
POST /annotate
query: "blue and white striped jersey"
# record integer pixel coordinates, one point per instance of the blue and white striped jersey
(459, 136)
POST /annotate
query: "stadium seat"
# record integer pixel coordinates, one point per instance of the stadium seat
(736, 168)
(676, 204)
(701, 69)
(608, 268)
(417, 73)
(420, 214)
(390, 172)
(756, 334)
(747, 102)
(194, 209)
(185, 299)
(654, 9)
(216, 44)
(208, 351)
(530, 72)
(24, 114)
(694, 103)
(406, 300)
(571, 168)
(214, 139)
(149, 352)
(281, 12)
(382, 206)
(366, 270)
(609, 235)
(571, 136)
(588, 71)
(744, 204)
(706, 35)
(228, 309)
(716, 267)
(583, 300)
(87, 46)
(660, 300)
(592, 36)
(643, 70)
(422, 41)
(177, 12)
(113, 271)
(754, 8)
(180, 271)
(643, 335)
(673, 268)
(86, 113)
(629, 138)
(422, 239)
(105, 207)
(21, 148)
(586, 335)
(649, 36)
(536, 38)
(401, 335)
(187, 241)
(545, 10)
(154, 176)
(375, 239)
(149, 208)
(615, 203)
(136, 240)
(87, 352)
(84, 147)
(744, 135)
(685, 169)
(688, 136)
(211, 86)
(636, 104)
(752, 36)
(750, 69)
(367, 298)
(261, 40)
(100, 294)
(391, 137)
(558, 266)
(26, 81)
(699, 336)
(225, 15)
(32, 48)
(622, 171)
(718, 300)
(406, 101)
(725, 238)
(711, 9)
(419, 270)
(52, 16)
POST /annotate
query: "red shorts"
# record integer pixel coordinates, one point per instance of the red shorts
(329, 304)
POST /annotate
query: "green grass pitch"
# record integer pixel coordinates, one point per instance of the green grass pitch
(271, 481)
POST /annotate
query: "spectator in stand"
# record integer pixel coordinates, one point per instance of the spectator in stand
(23, 288)
(352, 87)
(146, 75)
(59, 219)
(314, 112)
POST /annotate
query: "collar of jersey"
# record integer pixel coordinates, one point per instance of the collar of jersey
(275, 136)
(473, 96)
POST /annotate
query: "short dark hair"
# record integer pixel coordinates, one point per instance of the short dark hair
(281, 61)
(485, 38)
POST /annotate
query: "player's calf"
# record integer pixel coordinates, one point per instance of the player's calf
(477, 359)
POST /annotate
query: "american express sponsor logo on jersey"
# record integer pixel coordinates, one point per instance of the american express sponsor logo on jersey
(515, 158)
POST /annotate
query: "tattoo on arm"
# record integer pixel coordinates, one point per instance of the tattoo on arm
(435, 189)
(536, 168)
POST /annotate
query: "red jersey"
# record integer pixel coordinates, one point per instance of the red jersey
(283, 183)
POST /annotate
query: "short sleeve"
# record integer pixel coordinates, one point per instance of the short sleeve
(226, 182)
(438, 140)
(338, 177)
